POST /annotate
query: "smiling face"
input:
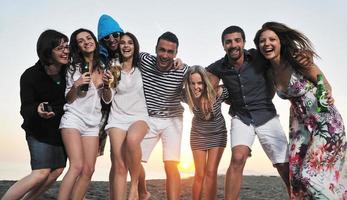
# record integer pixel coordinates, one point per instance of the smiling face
(86, 43)
(166, 52)
(270, 45)
(233, 45)
(196, 85)
(126, 45)
(60, 54)
(112, 40)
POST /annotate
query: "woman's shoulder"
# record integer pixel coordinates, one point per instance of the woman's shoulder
(32, 71)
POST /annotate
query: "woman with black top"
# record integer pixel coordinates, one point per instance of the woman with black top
(42, 89)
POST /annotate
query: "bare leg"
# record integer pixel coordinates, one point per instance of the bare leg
(90, 149)
(117, 140)
(283, 170)
(135, 134)
(233, 178)
(210, 182)
(74, 149)
(111, 174)
(173, 180)
(142, 187)
(38, 191)
(200, 158)
(27, 184)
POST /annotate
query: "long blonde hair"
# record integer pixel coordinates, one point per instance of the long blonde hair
(208, 93)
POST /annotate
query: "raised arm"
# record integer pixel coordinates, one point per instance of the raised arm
(310, 70)
(311, 73)
(72, 87)
(107, 92)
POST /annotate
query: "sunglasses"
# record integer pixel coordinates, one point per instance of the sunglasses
(114, 35)
(61, 48)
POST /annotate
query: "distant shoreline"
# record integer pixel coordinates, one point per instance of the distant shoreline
(253, 187)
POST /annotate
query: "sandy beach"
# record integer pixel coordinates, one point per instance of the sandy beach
(253, 188)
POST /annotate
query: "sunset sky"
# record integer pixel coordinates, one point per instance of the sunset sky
(198, 25)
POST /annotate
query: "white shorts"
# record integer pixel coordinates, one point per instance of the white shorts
(125, 123)
(169, 130)
(71, 121)
(271, 137)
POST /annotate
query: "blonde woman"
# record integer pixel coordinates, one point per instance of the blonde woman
(208, 134)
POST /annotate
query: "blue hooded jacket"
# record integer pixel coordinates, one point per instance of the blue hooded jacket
(106, 26)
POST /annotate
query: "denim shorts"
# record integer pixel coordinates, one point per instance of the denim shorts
(44, 155)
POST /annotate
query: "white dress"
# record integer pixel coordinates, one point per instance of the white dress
(87, 107)
(128, 101)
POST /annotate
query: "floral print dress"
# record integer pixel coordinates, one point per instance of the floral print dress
(317, 145)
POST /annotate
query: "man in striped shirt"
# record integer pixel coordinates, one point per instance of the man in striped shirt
(162, 87)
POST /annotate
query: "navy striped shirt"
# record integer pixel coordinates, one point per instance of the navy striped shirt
(162, 89)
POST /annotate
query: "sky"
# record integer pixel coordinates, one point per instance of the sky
(198, 26)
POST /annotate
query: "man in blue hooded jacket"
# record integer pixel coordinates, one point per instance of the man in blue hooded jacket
(109, 33)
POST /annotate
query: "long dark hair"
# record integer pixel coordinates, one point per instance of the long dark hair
(136, 56)
(76, 55)
(292, 41)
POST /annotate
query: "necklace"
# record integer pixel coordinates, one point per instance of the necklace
(53, 72)
(56, 79)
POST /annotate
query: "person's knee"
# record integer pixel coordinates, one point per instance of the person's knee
(135, 135)
(171, 167)
(199, 176)
(211, 174)
(238, 160)
(120, 168)
(57, 172)
(132, 143)
(88, 170)
(41, 174)
(76, 168)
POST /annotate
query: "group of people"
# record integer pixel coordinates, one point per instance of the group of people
(68, 93)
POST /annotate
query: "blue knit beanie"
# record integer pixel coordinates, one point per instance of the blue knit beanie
(106, 26)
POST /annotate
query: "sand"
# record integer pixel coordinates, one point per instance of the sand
(253, 188)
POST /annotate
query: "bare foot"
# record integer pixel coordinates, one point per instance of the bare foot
(145, 196)
(133, 193)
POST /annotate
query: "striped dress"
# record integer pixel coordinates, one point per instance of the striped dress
(207, 134)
